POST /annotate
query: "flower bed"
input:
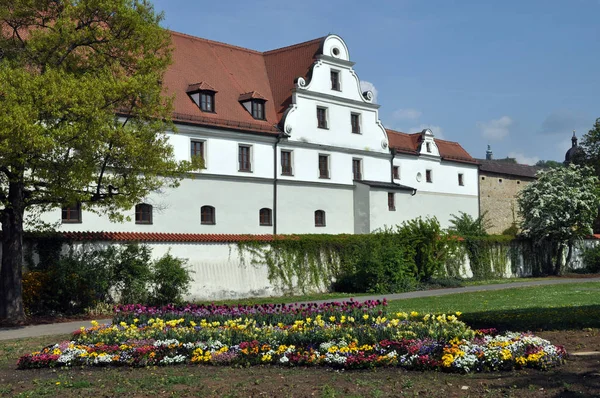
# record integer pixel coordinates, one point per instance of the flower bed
(352, 336)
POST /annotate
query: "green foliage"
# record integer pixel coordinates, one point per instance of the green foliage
(559, 208)
(170, 280)
(591, 259)
(513, 230)
(86, 276)
(83, 116)
(464, 225)
(548, 164)
(385, 261)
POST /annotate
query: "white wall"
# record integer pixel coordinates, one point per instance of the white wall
(423, 204)
(444, 173)
(237, 205)
(297, 205)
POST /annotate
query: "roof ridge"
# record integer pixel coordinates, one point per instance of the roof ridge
(219, 43)
(396, 132)
(293, 46)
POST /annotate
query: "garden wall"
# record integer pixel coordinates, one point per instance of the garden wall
(219, 272)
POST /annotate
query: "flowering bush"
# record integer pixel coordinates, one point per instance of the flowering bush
(340, 340)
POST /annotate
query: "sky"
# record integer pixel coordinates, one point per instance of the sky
(519, 75)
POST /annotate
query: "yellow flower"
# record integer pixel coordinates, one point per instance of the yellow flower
(365, 317)
(414, 313)
(94, 323)
(58, 383)
(458, 313)
(135, 320)
(193, 323)
(332, 319)
(308, 320)
(124, 324)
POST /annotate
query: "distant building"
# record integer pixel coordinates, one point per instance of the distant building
(500, 182)
(575, 154)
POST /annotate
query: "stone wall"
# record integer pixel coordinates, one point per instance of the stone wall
(498, 199)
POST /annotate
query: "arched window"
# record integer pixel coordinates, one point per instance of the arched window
(319, 218)
(207, 215)
(265, 216)
(143, 214)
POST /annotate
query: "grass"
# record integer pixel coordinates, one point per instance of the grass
(340, 296)
(566, 306)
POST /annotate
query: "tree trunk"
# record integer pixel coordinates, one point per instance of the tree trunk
(11, 299)
(559, 259)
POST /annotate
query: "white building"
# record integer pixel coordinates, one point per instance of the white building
(291, 145)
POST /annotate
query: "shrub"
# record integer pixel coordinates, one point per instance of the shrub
(170, 280)
(132, 273)
(591, 259)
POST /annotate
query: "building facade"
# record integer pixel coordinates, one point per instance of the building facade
(291, 144)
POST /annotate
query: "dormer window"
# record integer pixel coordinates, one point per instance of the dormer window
(207, 101)
(258, 109)
(254, 104)
(203, 94)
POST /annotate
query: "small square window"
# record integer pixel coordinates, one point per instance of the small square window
(461, 180)
(143, 214)
(355, 121)
(396, 172)
(428, 176)
(244, 158)
(321, 118)
(71, 214)
(391, 201)
(335, 80)
(323, 166)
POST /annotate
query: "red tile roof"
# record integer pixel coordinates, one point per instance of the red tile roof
(235, 72)
(409, 143)
(165, 237)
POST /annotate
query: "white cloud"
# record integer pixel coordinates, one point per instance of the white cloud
(497, 129)
(368, 86)
(522, 159)
(436, 130)
(407, 114)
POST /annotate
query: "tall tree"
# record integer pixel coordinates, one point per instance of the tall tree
(559, 208)
(82, 117)
(591, 147)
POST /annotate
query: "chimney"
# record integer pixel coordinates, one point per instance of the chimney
(489, 155)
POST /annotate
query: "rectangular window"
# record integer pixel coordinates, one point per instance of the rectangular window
(321, 118)
(396, 172)
(335, 80)
(71, 214)
(428, 176)
(428, 146)
(244, 158)
(355, 121)
(461, 181)
(357, 169)
(198, 149)
(207, 102)
(286, 163)
(391, 202)
(323, 166)
(258, 110)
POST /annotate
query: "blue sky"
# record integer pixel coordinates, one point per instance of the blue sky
(518, 75)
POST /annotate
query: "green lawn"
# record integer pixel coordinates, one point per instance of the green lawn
(568, 306)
